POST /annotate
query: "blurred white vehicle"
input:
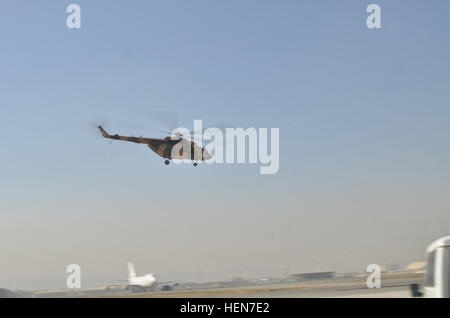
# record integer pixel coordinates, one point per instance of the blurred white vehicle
(437, 276)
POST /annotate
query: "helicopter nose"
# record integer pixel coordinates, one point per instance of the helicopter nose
(206, 155)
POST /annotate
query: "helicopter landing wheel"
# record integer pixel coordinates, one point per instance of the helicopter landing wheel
(167, 162)
(195, 164)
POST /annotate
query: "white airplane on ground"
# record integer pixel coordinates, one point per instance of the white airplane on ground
(144, 283)
(147, 282)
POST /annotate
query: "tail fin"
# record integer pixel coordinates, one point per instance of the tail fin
(104, 133)
(131, 272)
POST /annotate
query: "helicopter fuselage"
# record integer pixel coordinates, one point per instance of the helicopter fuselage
(186, 149)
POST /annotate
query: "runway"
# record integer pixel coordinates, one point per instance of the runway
(392, 286)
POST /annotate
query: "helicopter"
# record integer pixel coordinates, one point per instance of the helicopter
(164, 147)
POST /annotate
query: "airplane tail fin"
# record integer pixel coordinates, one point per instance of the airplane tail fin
(104, 133)
(131, 271)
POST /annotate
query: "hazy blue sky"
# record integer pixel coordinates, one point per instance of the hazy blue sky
(364, 136)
